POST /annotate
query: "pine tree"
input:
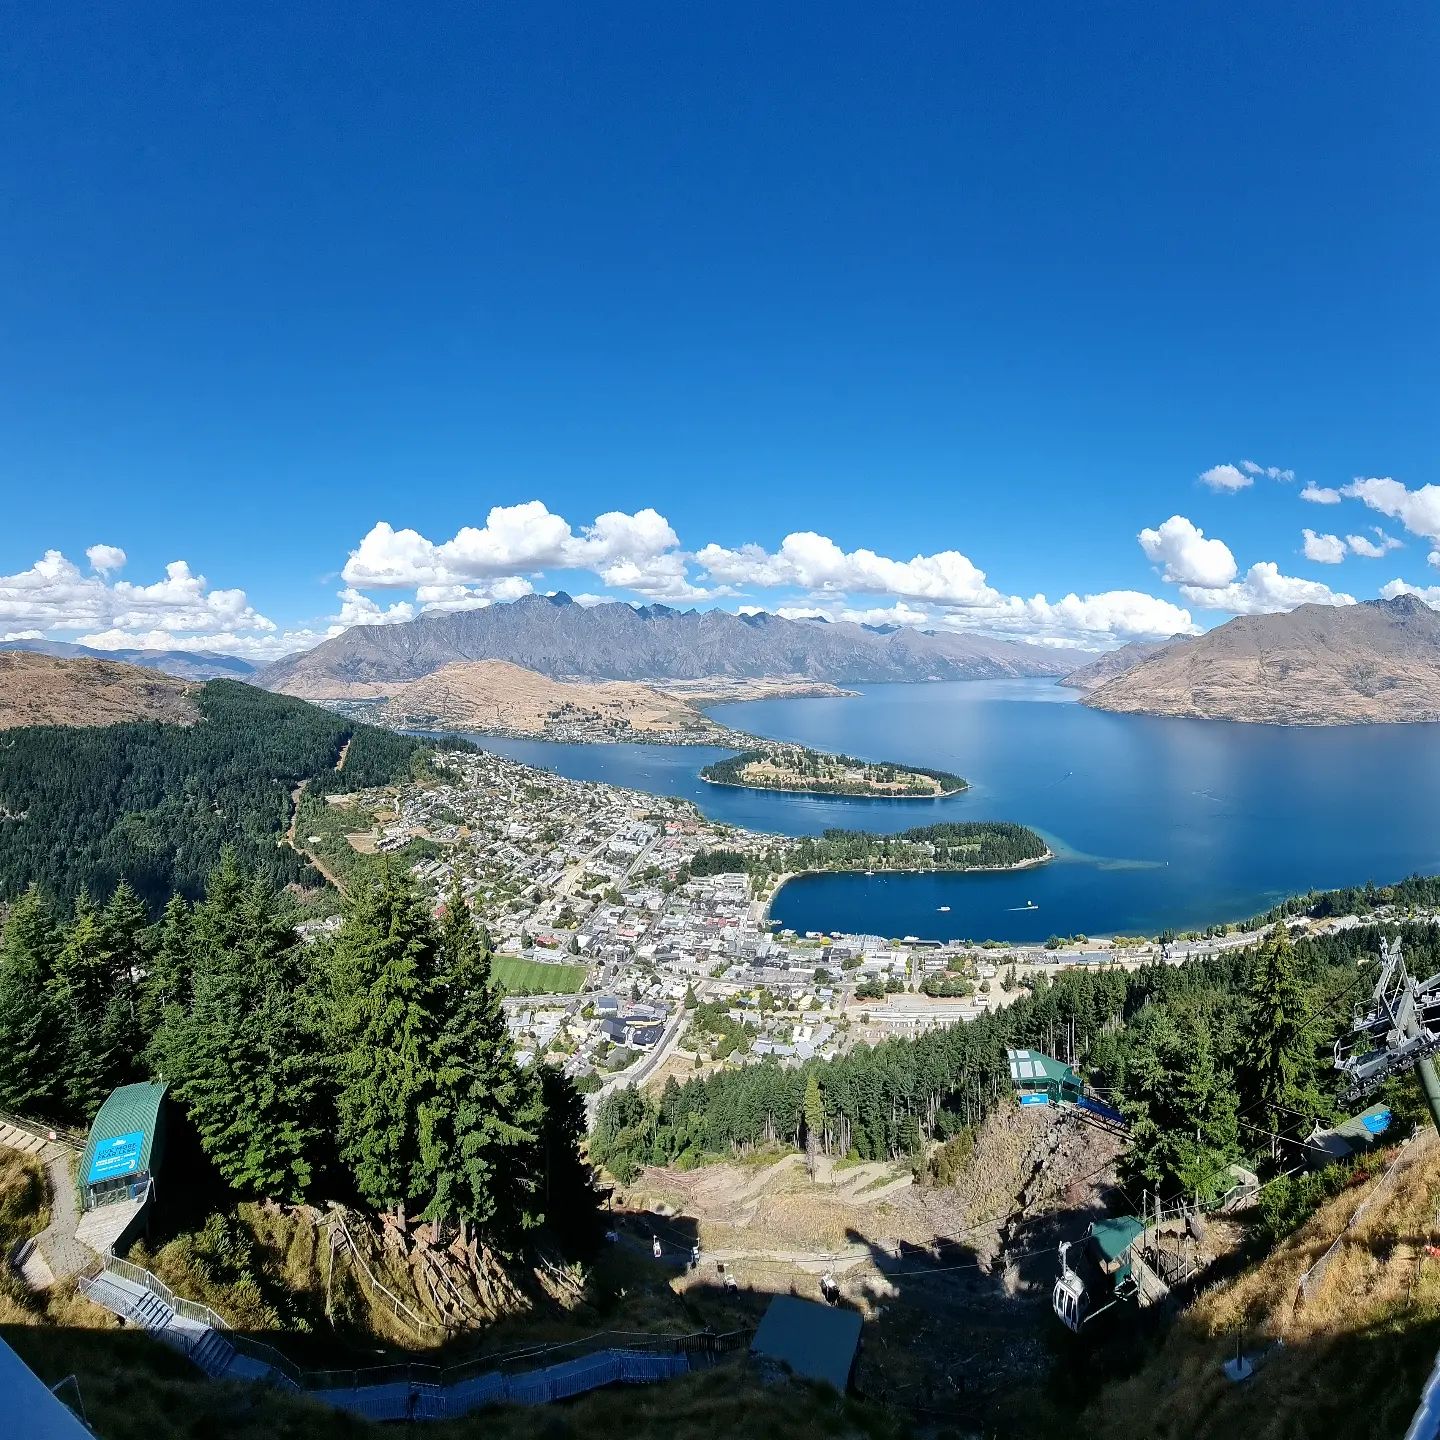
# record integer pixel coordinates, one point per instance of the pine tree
(32, 1026)
(382, 1038)
(165, 995)
(1180, 1107)
(83, 988)
(1277, 1067)
(125, 926)
(167, 981)
(814, 1120)
(480, 1129)
(245, 1057)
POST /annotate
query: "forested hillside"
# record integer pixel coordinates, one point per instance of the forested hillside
(373, 1068)
(152, 803)
(1206, 1061)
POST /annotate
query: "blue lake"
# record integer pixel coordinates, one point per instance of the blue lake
(1156, 823)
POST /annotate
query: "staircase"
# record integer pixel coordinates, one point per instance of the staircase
(213, 1353)
(136, 1304)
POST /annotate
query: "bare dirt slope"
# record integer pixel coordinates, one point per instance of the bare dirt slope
(1318, 665)
(954, 1281)
(44, 690)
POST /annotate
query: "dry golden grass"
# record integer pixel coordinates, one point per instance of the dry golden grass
(24, 1198)
(1351, 1356)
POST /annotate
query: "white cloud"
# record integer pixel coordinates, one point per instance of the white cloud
(53, 594)
(23, 635)
(105, 559)
(1226, 478)
(1320, 495)
(816, 563)
(1373, 549)
(1264, 591)
(1186, 556)
(1417, 510)
(898, 614)
(1324, 549)
(636, 552)
(1082, 620)
(1273, 472)
(1430, 594)
(260, 648)
(358, 609)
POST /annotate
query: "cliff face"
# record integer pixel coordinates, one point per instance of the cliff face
(557, 637)
(45, 690)
(1318, 665)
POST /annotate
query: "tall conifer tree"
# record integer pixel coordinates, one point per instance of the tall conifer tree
(484, 1121)
(382, 1034)
(33, 1048)
(246, 1054)
(1277, 1068)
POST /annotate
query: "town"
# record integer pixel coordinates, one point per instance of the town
(626, 963)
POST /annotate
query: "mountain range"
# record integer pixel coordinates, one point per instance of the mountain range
(184, 664)
(1377, 662)
(558, 637)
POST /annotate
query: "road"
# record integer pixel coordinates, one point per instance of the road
(641, 1071)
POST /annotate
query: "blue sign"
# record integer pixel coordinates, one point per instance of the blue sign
(1378, 1123)
(1035, 1099)
(113, 1158)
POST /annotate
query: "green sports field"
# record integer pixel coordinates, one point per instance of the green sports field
(535, 977)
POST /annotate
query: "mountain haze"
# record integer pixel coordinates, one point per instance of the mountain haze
(558, 637)
(1117, 662)
(184, 664)
(1318, 665)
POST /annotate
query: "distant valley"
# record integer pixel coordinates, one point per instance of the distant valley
(184, 664)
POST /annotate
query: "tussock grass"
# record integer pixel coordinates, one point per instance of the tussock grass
(1352, 1357)
(24, 1198)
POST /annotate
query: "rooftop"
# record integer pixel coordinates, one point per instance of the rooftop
(816, 1342)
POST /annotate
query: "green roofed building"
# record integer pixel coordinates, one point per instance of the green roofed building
(815, 1342)
(1042, 1080)
(126, 1145)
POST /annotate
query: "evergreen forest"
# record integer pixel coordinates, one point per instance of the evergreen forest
(372, 1067)
(82, 809)
(1215, 1062)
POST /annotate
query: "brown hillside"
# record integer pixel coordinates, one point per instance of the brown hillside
(1318, 665)
(1347, 1354)
(43, 690)
(496, 695)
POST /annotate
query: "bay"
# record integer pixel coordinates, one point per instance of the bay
(1156, 823)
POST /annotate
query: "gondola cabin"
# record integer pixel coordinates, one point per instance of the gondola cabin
(1098, 1272)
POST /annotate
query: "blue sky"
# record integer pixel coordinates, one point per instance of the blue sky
(961, 299)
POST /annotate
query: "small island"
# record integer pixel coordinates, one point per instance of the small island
(796, 770)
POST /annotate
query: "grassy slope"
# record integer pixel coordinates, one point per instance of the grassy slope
(1355, 1353)
(135, 1388)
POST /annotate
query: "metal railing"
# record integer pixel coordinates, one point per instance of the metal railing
(186, 1309)
(55, 1134)
(514, 1362)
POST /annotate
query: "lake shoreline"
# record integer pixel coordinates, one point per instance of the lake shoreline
(1032, 863)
